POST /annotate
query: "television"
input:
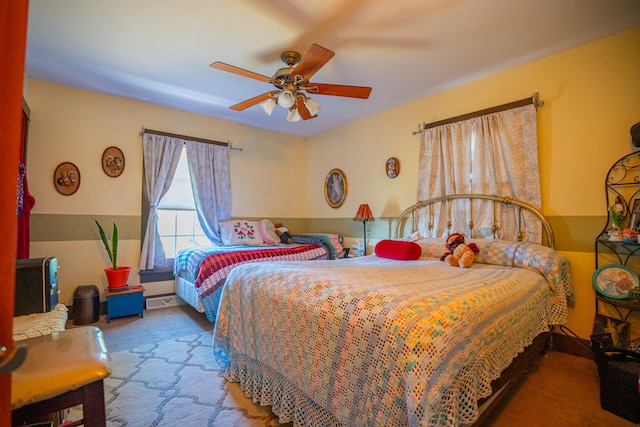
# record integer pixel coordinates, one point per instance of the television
(36, 285)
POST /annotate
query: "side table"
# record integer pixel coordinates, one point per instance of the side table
(125, 303)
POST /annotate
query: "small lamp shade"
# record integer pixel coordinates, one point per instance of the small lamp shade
(364, 214)
(293, 115)
(268, 106)
(312, 106)
(286, 99)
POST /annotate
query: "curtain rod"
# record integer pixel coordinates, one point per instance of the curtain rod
(533, 99)
(188, 138)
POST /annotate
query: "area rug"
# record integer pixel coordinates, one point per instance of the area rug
(176, 383)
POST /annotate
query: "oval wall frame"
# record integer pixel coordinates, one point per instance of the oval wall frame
(113, 161)
(392, 167)
(66, 178)
(335, 188)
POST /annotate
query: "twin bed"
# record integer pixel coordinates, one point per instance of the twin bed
(200, 272)
(379, 341)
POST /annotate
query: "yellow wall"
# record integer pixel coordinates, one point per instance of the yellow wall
(592, 97)
(591, 94)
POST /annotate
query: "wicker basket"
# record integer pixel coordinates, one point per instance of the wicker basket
(619, 372)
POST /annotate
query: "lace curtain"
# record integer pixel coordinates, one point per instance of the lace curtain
(161, 155)
(493, 154)
(211, 182)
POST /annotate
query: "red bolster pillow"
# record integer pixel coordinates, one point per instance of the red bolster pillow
(398, 249)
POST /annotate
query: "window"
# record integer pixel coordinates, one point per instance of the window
(178, 223)
(162, 153)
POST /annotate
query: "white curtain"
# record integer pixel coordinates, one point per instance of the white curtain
(493, 154)
(161, 155)
(211, 182)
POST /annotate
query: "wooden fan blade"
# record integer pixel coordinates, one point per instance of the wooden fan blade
(251, 102)
(312, 61)
(303, 110)
(239, 71)
(340, 90)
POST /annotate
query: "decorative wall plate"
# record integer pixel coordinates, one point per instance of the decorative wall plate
(113, 161)
(66, 178)
(615, 280)
(335, 188)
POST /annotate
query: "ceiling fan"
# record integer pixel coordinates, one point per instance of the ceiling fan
(292, 81)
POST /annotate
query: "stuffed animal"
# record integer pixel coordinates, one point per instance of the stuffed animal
(459, 254)
(283, 233)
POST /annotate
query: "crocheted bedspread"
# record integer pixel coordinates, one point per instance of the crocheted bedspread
(373, 341)
(37, 324)
(208, 267)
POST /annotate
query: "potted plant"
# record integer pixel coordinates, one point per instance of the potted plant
(116, 275)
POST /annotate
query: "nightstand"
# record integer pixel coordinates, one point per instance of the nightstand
(127, 302)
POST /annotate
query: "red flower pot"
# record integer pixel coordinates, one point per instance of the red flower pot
(117, 278)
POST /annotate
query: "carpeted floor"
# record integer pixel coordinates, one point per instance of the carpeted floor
(163, 374)
(157, 325)
(176, 383)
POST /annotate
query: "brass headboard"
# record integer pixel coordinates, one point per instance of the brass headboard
(517, 205)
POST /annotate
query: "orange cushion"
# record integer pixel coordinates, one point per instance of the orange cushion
(398, 249)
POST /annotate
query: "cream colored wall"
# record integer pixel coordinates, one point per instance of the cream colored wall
(73, 125)
(592, 97)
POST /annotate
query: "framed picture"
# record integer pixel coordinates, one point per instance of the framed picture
(635, 215)
(615, 280)
(620, 330)
(66, 178)
(392, 167)
(335, 188)
(113, 161)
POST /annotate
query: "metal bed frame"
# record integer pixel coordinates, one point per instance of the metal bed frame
(517, 205)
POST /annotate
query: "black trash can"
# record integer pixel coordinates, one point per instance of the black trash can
(86, 305)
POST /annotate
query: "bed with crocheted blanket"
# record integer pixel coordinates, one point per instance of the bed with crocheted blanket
(388, 342)
(200, 272)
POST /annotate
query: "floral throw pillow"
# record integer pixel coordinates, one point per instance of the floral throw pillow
(240, 232)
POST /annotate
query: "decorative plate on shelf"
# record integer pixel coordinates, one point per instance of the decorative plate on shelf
(615, 280)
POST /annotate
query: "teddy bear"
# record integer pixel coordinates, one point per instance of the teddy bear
(458, 253)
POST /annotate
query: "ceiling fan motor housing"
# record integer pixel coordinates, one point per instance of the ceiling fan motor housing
(290, 57)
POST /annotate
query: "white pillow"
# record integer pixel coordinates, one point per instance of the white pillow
(240, 232)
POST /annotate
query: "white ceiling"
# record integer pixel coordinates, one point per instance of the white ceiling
(159, 51)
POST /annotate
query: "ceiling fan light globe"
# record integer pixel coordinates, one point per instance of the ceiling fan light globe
(268, 106)
(312, 106)
(286, 99)
(293, 115)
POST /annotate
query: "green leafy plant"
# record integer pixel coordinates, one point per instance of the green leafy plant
(112, 250)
